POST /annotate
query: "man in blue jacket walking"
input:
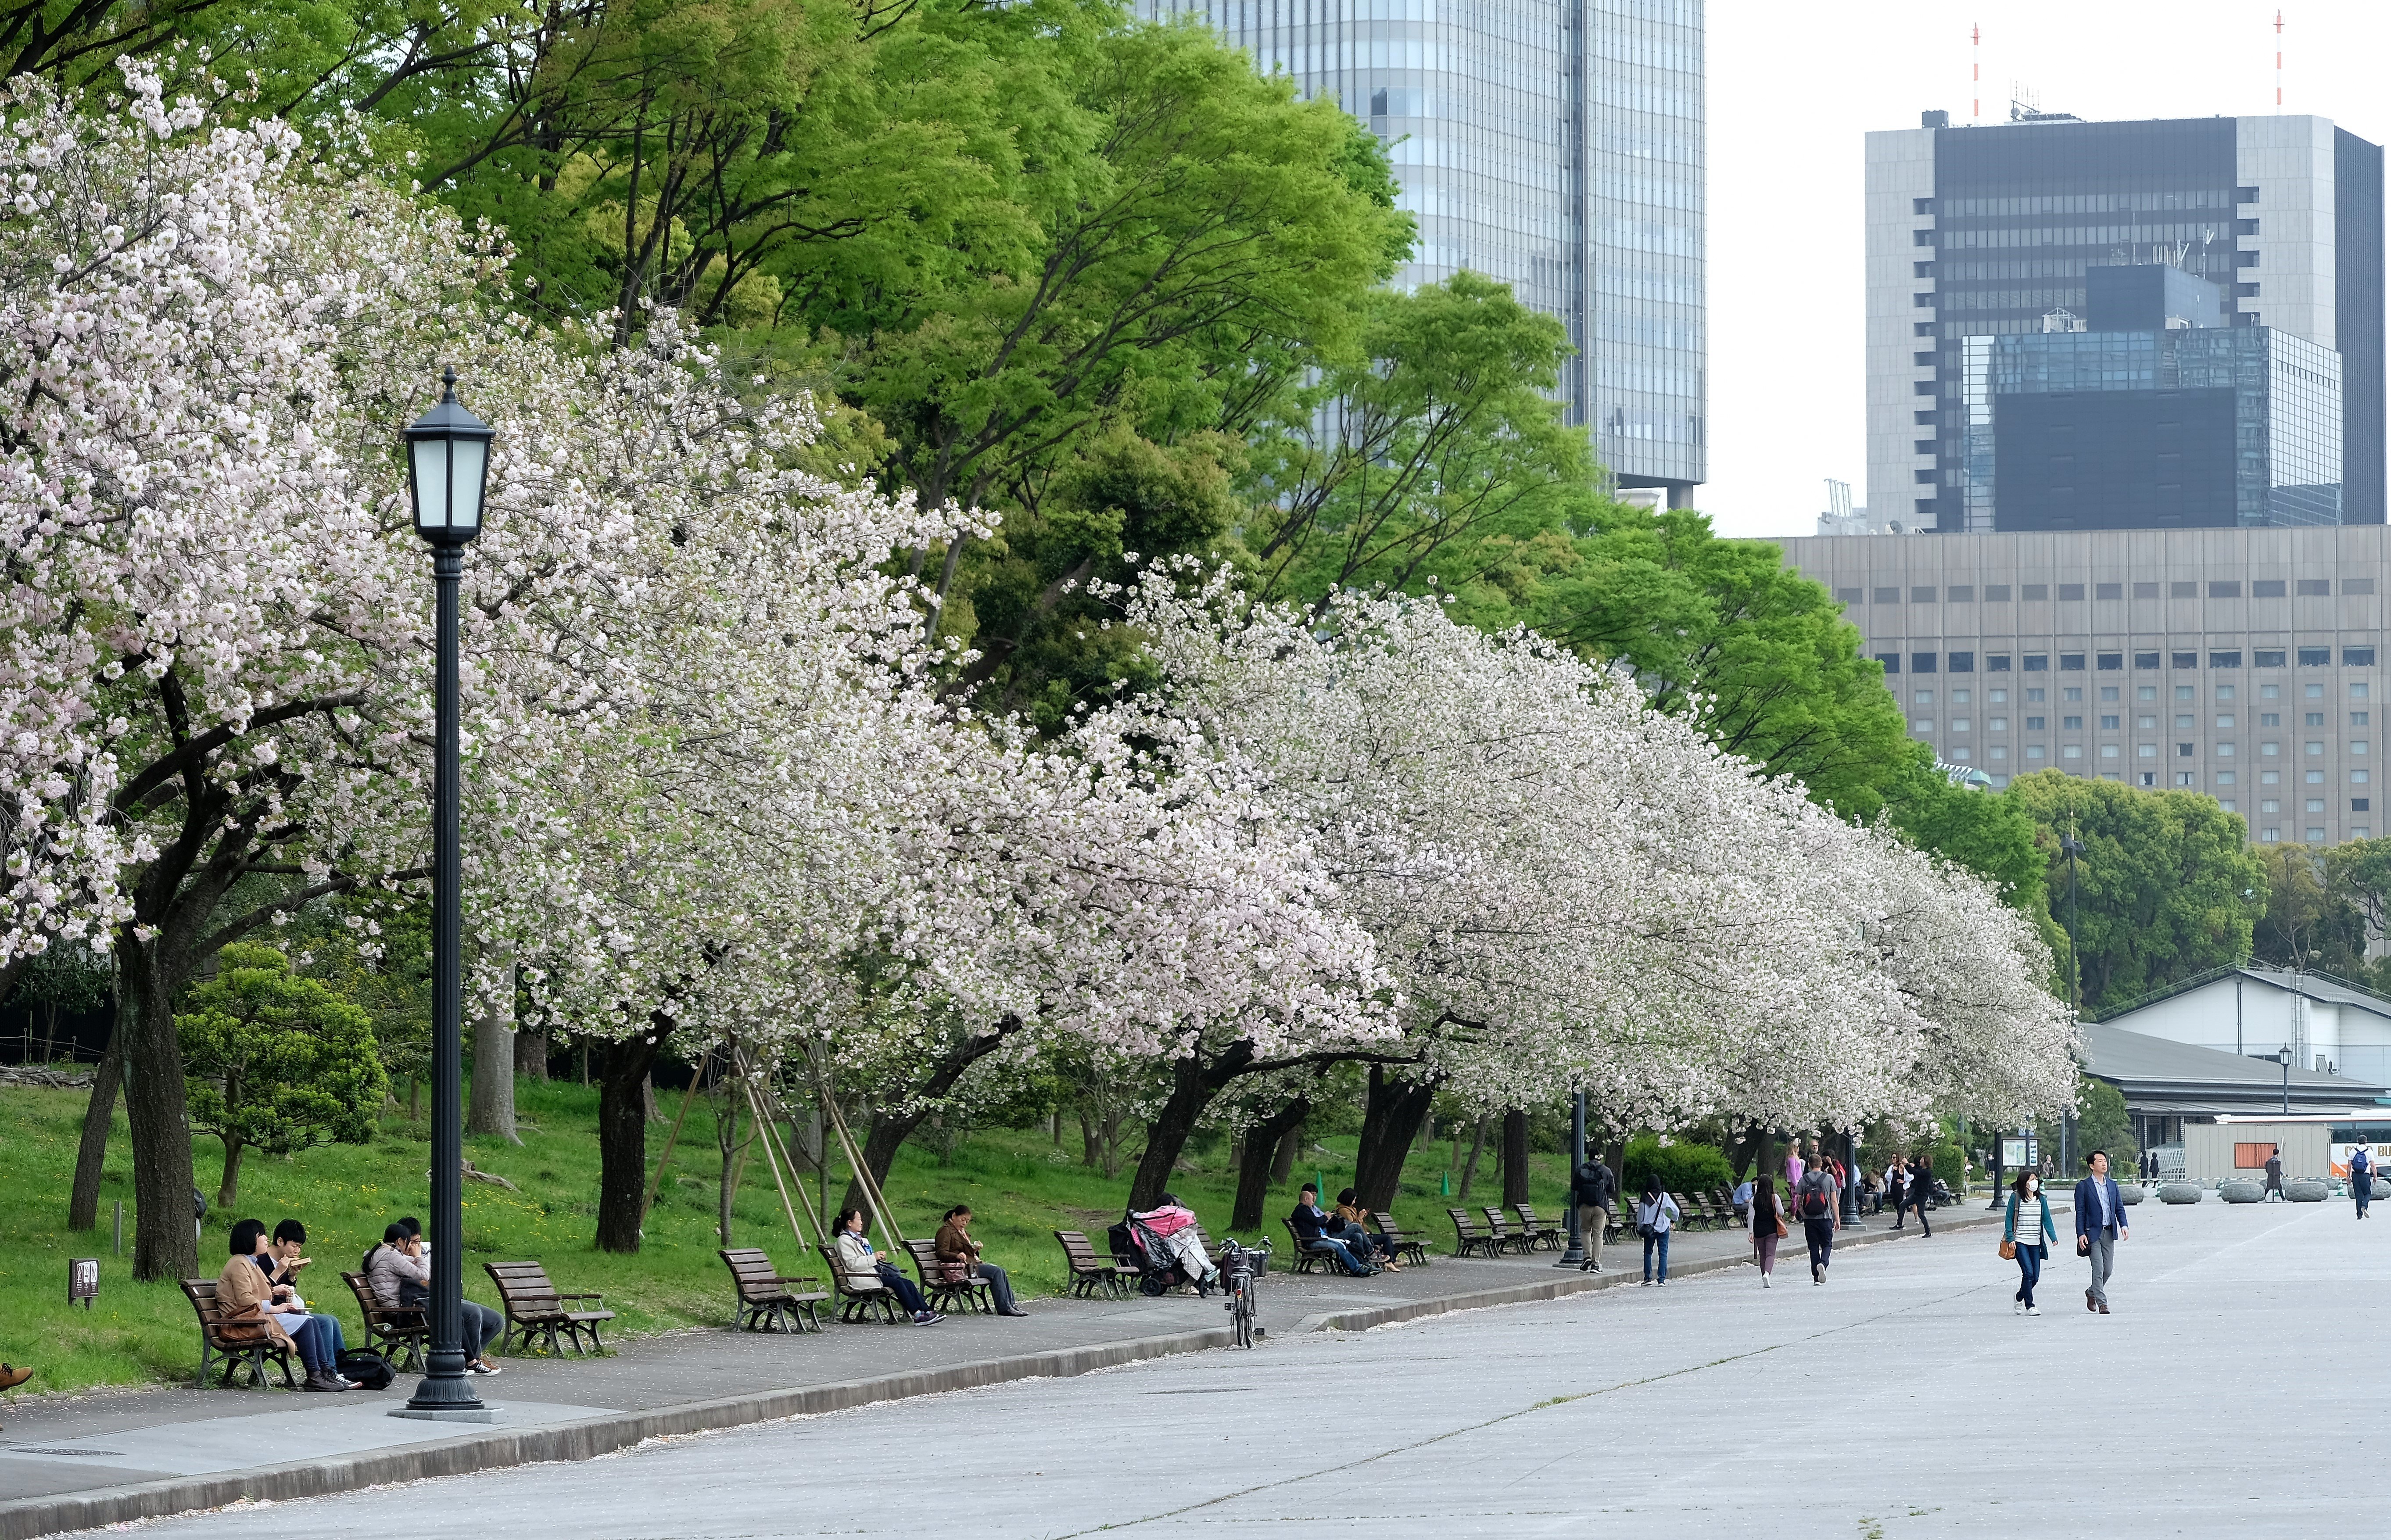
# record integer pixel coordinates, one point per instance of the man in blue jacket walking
(2099, 1225)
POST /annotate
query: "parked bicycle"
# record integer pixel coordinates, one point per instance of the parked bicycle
(1241, 1271)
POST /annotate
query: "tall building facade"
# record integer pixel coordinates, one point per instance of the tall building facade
(2245, 664)
(1977, 235)
(1555, 145)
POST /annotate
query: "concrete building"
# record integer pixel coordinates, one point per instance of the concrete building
(1555, 145)
(2331, 1027)
(2242, 663)
(2171, 1087)
(1977, 233)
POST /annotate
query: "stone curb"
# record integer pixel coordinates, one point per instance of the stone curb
(1581, 1283)
(589, 1437)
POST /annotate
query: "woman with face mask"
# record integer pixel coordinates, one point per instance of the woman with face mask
(2028, 1233)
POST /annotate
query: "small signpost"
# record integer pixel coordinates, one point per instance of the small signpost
(83, 1280)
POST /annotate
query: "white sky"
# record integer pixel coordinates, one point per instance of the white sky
(1793, 88)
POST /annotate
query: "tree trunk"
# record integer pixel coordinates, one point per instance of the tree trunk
(228, 1190)
(165, 1243)
(1254, 1180)
(585, 1061)
(1193, 1085)
(1744, 1150)
(99, 1114)
(531, 1053)
(889, 1131)
(623, 1136)
(648, 1098)
(1515, 1159)
(1290, 1144)
(1614, 1155)
(491, 1108)
(1469, 1168)
(1390, 1125)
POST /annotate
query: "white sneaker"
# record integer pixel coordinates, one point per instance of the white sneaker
(2033, 1310)
(1763, 1280)
(2017, 1307)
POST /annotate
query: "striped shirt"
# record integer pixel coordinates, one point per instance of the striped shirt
(2029, 1226)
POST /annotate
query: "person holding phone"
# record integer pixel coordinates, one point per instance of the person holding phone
(399, 1271)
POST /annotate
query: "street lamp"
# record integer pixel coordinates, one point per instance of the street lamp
(448, 468)
(1575, 1255)
(2283, 1056)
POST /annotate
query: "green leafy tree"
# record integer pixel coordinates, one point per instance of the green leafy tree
(2312, 919)
(2101, 1123)
(277, 1063)
(2168, 887)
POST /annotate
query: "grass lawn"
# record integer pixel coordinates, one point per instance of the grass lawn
(1020, 1185)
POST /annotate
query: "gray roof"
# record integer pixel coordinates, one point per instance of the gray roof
(2157, 1074)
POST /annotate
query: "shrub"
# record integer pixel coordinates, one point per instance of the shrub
(1681, 1168)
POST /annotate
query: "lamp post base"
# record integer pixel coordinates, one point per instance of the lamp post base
(446, 1414)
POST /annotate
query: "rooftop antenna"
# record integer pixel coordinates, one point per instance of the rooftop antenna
(2279, 61)
(1976, 72)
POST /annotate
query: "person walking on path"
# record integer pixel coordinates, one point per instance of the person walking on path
(1816, 1201)
(2029, 1233)
(1597, 1197)
(1653, 1213)
(1921, 1192)
(2361, 1178)
(1896, 1192)
(2274, 1176)
(1768, 1224)
(2099, 1225)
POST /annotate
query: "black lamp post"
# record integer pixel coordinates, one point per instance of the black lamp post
(447, 466)
(1575, 1255)
(2284, 1057)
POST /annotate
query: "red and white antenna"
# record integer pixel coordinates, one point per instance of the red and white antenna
(1976, 72)
(2279, 61)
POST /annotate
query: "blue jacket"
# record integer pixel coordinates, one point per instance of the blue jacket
(2024, 1230)
(2087, 1206)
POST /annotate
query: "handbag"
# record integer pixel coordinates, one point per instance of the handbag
(2084, 1246)
(2008, 1251)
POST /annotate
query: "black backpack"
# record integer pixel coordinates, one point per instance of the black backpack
(1814, 1204)
(368, 1367)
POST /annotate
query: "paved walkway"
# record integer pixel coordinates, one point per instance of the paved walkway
(94, 1448)
(2231, 1393)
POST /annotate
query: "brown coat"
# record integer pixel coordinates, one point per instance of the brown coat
(958, 1253)
(241, 1289)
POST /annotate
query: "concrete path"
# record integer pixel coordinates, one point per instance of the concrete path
(75, 1461)
(2236, 1389)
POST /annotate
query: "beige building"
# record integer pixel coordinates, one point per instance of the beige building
(2241, 663)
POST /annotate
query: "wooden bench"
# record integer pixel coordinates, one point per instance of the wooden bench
(767, 1300)
(399, 1333)
(1507, 1240)
(1091, 1272)
(1472, 1236)
(1303, 1255)
(1544, 1238)
(975, 1293)
(1692, 1213)
(855, 1300)
(535, 1307)
(1411, 1248)
(240, 1344)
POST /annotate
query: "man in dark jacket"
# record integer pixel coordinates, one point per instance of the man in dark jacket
(1316, 1230)
(1597, 1197)
(2274, 1176)
(2099, 1225)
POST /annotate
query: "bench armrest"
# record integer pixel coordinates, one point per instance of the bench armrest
(562, 1297)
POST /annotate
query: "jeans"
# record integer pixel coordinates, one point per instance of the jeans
(1331, 1246)
(2029, 1261)
(1820, 1233)
(1659, 1239)
(1590, 1220)
(2361, 1187)
(482, 1326)
(318, 1337)
(2102, 1256)
(1000, 1288)
(903, 1286)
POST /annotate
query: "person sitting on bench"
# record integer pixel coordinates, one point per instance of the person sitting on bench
(1361, 1229)
(863, 1268)
(1316, 1230)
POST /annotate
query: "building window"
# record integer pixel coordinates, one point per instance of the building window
(2357, 657)
(2316, 586)
(2108, 590)
(1923, 595)
(2225, 778)
(2267, 751)
(2143, 590)
(2107, 751)
(2071, 663)
(1959, 754)
(1922, 724)
(2111, 660)
(2146, 779)
(2357, 778)
(2225, 751)
(2035, 724)
(2183, 751)
(2037, 662)
(2034, 590)
(2358, 833)
(2073, 751)
(1891, 662)
(2265, 658)
(2268, 777)
(1923, 478)
(2270, 588)
(1997, 663)
(2146, 751)
(1959, 593)
(2146, 660)
(1922, 419)
(2314, 747)
(1847, 596)
(2360, 805)
(1888, 596)
(2229, 587)
(2071, 590)
(2186, 660)
(2033, 751)
(2000, 751)
(2072, 724)
(2357, 585)
(2269, 836)
(2183, 778)
(2316, 657)
(2225, 660)
(1922, 663)
(2183, 590)
(2316, 836)
(1997, 593)
(1963, 663)
(2358, 747)
(2314, 777)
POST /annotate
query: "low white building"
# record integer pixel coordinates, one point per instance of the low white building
(2331, 1025)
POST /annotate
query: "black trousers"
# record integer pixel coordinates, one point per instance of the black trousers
(1820, 1232)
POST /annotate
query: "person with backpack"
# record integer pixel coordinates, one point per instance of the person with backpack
(1597, 1199)
(2361, 1178)
(399, 1274)
(1654, 1212)
(1814, 1201)
(2027, 1235)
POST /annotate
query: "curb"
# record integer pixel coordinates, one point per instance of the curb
(1561, 1288)
(591, 1437)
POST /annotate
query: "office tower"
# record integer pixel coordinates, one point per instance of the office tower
(2240, 663)
(1989, 233)
(1554, 145)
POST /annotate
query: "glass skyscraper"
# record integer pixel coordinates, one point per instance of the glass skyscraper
(1554, 145)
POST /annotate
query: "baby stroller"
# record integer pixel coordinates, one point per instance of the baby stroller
(1158, 1266)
